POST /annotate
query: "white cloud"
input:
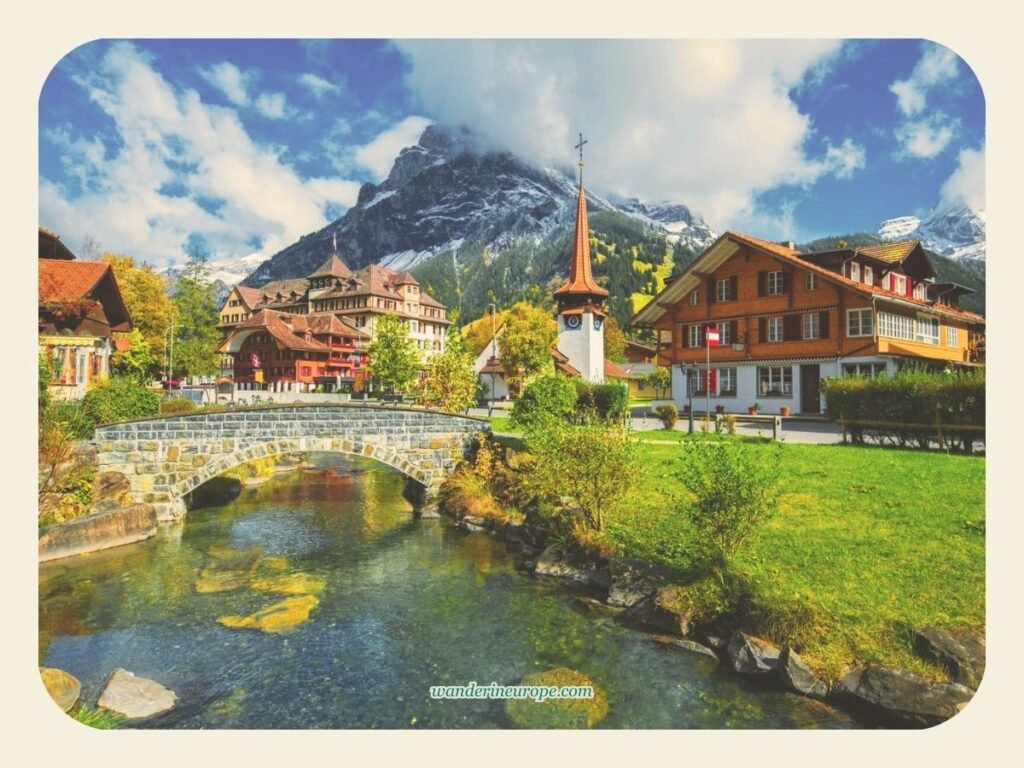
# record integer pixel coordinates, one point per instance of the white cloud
(706, 122)
(273, 105)
(317, 85)
(967, 183)
(936, 65)
(845, 160)
(925, 139)
(379, 154)
(170, 137)
(231, 81)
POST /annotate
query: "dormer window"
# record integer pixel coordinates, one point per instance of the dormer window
(855, 271)
(899, 284)
(919, 291)
(869, 276)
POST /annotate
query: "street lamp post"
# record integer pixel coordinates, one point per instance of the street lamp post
(494, 358)
(684, 369)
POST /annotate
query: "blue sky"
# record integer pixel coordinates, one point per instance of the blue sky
(246, 145)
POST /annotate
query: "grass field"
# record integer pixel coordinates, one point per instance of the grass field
(875, 542)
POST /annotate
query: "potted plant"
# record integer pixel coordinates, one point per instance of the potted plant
(784, 410)
(719, 409)
(686, 409)
(753, 409)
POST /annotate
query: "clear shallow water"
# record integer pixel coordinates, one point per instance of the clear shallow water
(406, 604)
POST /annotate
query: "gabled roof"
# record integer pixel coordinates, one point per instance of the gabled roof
(61, 280)
(249, 296)
(333, 267)
(581, 280)
(613, 371)
(891, 253)
(50, 246)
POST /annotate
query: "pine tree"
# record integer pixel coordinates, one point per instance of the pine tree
(196, 336)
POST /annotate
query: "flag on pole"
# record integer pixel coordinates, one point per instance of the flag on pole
(712, 336)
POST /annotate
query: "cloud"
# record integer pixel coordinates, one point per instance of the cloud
(967, 183)
(317, 85)
(709, 122)
(169, 139)
(924, 139)
(846, 159)
(273, 105)
(379, 155)
(230, 80)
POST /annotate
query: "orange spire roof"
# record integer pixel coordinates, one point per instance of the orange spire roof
(581, 280)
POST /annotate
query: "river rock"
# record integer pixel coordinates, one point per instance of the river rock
(290, 584)
(961, 651)
(279, 617)
(669, 610)
(62, 686)
(135, 697)
(472, 524)
(798, 677)
(111, 486)
(632, 580)
(554, 562)
(900, 698)
(101, 530)
(687, 645)
(751, 655)
(558, 713)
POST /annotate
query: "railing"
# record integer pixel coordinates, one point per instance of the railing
(955, 437)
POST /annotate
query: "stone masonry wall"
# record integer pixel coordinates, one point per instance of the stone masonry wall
(165, 458)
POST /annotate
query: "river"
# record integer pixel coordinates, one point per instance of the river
(400, 604)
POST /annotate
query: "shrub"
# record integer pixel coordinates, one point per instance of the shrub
(736, 489)
(118, 399)
(174, 405)
(600, 402)
(546, 397)
(667, 414)
(729, 423)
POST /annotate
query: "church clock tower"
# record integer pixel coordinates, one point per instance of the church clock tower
(580, 301)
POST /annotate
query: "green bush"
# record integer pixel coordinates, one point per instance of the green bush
(174, 405)
(544, 398)
(668, 415)
(118, 399)
(600, 402)
(913, 407)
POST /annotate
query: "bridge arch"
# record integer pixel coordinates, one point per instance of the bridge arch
(165, 458)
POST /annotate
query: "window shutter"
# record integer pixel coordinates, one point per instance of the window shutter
(785, 281)
(762, 329)
(734, 285)
(712, 293)
(684, 333)
(734, 328)
(823, 324)
(791, 328)
(762, 283)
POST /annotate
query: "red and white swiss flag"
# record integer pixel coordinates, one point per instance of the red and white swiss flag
(712, 336)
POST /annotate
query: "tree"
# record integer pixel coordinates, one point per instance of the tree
(735, 488)
(659, 378)
(196, 335)
(614, 340)
(451, 381)
(545, 397)
(394, 359)
(136, 362)
(525, 343)
(145, 296)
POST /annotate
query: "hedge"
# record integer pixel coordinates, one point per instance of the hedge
(915, 408)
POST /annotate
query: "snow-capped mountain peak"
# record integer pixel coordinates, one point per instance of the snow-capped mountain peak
(951, 229)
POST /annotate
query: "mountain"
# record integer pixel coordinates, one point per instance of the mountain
(953, 230)
(481, 225)
(965, 271)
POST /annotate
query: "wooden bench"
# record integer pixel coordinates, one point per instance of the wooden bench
(749, 418)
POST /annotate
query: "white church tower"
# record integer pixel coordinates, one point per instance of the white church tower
(580, 314)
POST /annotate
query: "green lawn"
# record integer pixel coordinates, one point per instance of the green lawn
(502, 424)
(874, 541)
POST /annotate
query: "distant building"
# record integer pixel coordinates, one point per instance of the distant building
(786, 319)
(80, 308)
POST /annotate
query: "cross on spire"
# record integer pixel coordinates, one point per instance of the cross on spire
(580, 148)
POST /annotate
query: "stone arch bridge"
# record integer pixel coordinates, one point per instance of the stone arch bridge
(166, 457)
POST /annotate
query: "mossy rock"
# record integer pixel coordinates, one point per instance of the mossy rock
(558, 713)
(212, 581)
(279, 617)
(290, 584)
(224, 558)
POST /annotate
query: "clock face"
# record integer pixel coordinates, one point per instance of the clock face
(572, 321)
(597, 323)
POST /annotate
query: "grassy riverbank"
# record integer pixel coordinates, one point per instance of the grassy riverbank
(868, 543)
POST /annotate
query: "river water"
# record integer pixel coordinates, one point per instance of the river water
(400, 605)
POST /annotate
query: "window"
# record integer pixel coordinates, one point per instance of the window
(899, 284)
(858, 322)
(724, 334)
(927, 330)
(694, 298)
(864, 369)
(696, 336)
(812, 326)
(775, 381)
(869, 275)
(896, 326)
(811, 281)
(723, 290)
(950, 336)
(855, 271)
(775, 329)
(727, 381)
(776, 282)
(919, 291)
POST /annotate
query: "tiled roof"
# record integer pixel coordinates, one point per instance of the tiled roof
(891, 253)
(61, 280)
(50, 246)
(250, 296)
(566, 368)
(581, 280)
(290, 329)
(613, 371)
(333, 267)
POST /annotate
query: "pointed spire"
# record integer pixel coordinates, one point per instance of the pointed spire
(581, 286)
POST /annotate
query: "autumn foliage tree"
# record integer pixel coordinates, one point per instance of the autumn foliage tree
(525, 342)
(394, 359)
(146, 298)
(450, 383)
